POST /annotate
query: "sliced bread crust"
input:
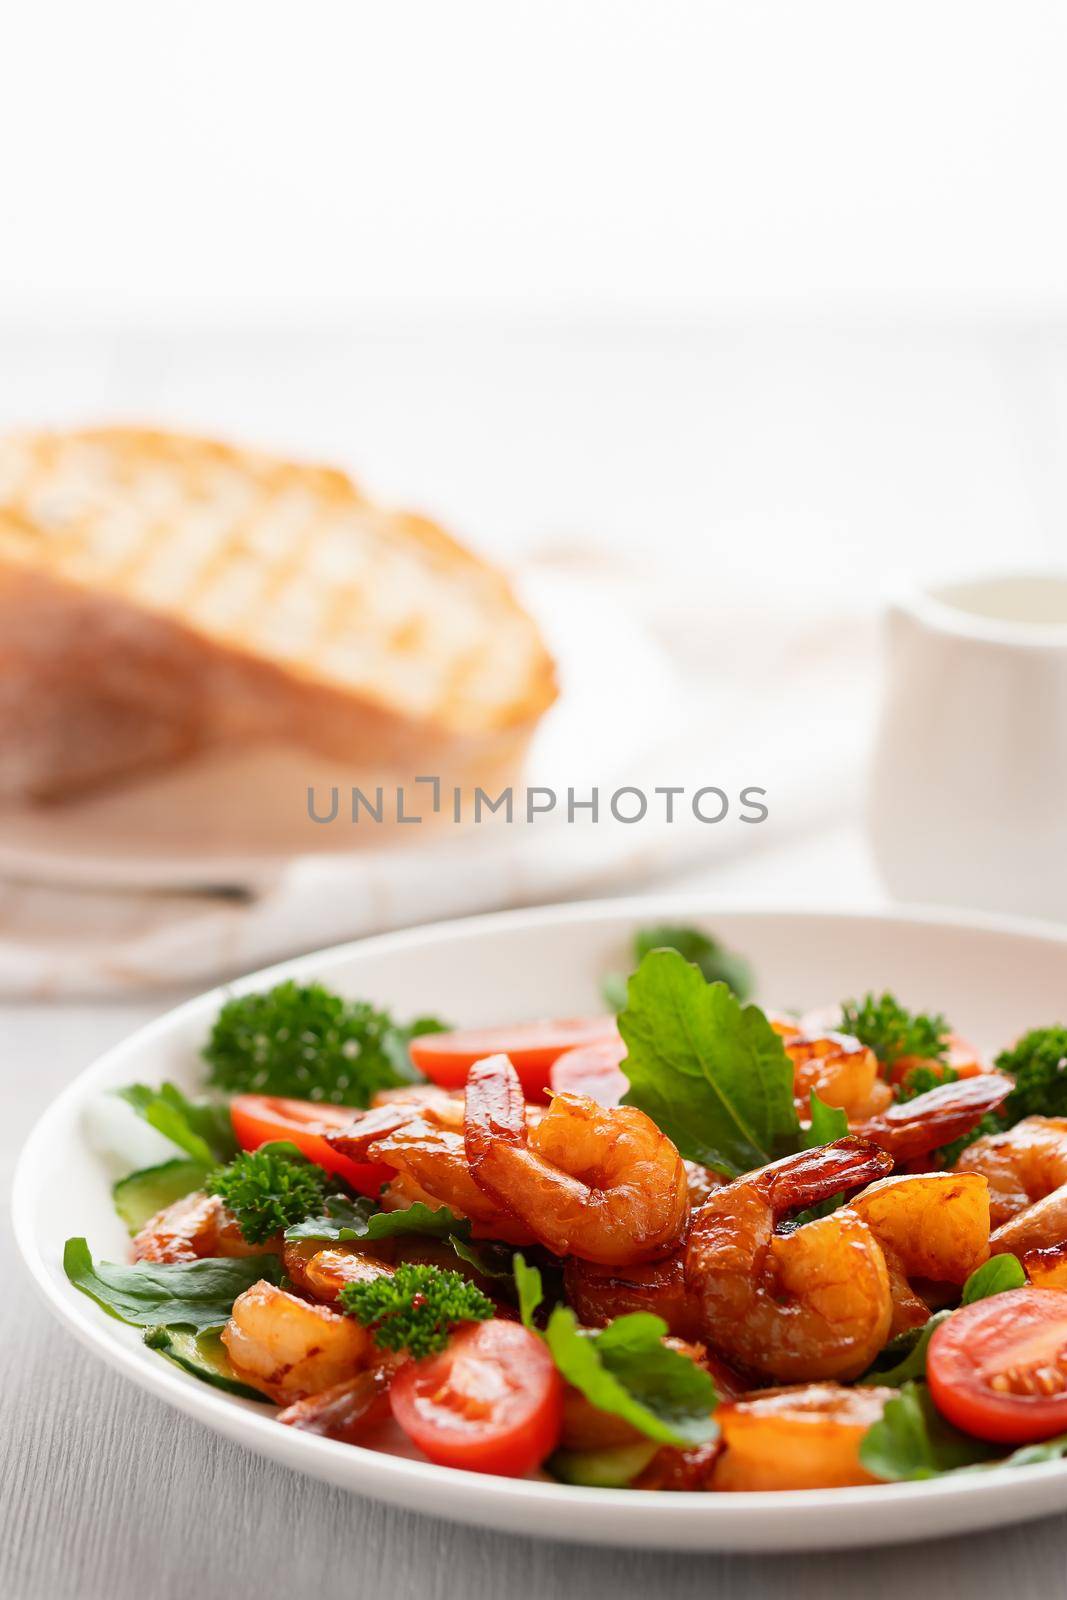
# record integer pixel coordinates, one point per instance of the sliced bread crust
(162, 594)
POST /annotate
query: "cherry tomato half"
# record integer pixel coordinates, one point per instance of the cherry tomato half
(259, 1118)
(593, 1070)
(532, 1047)
(998, 1368)
(492, 1401)
(962, 1057)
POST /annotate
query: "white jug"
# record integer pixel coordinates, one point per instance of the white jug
(968, 789)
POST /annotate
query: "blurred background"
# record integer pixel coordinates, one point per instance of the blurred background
(737, 316)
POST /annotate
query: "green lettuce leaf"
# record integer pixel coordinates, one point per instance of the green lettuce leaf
(913, 1440)
(713, 1075)
(347, 1219)
(201, 1128)
(149, 1294)
(627, 1370)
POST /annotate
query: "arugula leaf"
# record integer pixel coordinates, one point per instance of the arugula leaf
(716, 962)
(205, 1356)
(193, 1294)
(530, 1292)
(361, 1219)
(912, 1440)
(202, 1129)
(141, 1194)
(627, 1370)
(827, 1123)
(995, 1276)
(711, 1074)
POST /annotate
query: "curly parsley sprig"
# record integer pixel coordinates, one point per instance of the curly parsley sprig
(1038, 1063)
(887, 1028)
(416, 1307)
(269, 1190)
(306, 1043)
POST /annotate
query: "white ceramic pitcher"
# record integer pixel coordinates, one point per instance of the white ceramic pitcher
(968, 792)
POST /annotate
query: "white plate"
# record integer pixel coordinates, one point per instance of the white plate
(992, 978)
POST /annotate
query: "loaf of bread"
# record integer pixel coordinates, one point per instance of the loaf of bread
(162, 596)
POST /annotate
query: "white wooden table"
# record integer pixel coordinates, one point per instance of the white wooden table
(105, 1494)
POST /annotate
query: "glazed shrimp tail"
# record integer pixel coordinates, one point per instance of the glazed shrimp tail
(390, 1116)
(600, 1182)
(915, 1127)
(495, 1108)
(349, 1409)
(813, 1175)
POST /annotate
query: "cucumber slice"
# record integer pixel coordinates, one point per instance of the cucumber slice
(204, 1355)
(602, 1469)
(143, 1193)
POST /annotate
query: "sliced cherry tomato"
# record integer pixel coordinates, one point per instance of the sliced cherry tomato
(532, 1047)
(491, 1402)
(259, 1118)
(593, 1070)
(963, 1058)
(998, 1368)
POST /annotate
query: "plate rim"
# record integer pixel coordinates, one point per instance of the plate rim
(389, 1477)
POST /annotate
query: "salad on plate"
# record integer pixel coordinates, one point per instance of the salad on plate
(686, 1245)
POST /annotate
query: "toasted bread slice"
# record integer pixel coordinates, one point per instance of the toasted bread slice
(161, 595)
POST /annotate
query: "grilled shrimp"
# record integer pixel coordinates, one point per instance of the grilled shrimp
(348, 1410)
(810, 1304)
(290, 1348)
(1038, 1236)
(842, 1071)
(1023, 1164)
(196, 1226)
(599, 1293)
(426, 1150)
(914, 1128)
(598, 1182)
(322, 1270)
(803, 1438)
(932, 1225)
(701, 1181)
